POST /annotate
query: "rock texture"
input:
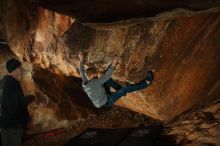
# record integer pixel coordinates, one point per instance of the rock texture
(60, 102)
(198, 127)
(181, 46)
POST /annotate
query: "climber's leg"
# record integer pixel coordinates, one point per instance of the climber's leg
(115, 96)
(114, 84)
(130, 88)
(111, 83)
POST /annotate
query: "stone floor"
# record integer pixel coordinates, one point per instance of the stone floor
(115, 117)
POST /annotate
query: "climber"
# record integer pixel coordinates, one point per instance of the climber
(14, 114)
(98, 89)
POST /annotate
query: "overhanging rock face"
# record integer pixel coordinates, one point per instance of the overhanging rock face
(183, 50)
(114, 10)
(181, 46)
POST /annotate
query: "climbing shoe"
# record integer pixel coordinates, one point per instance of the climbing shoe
(149, 78)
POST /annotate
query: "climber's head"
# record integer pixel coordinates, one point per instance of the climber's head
(91, 73)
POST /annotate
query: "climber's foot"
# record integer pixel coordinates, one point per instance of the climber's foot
(149, 78)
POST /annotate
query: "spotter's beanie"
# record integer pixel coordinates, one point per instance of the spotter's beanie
(12, 64)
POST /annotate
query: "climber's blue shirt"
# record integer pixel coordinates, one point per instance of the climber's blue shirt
(94, 88)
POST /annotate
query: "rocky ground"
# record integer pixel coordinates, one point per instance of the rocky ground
(199, 126)
(114, 117)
